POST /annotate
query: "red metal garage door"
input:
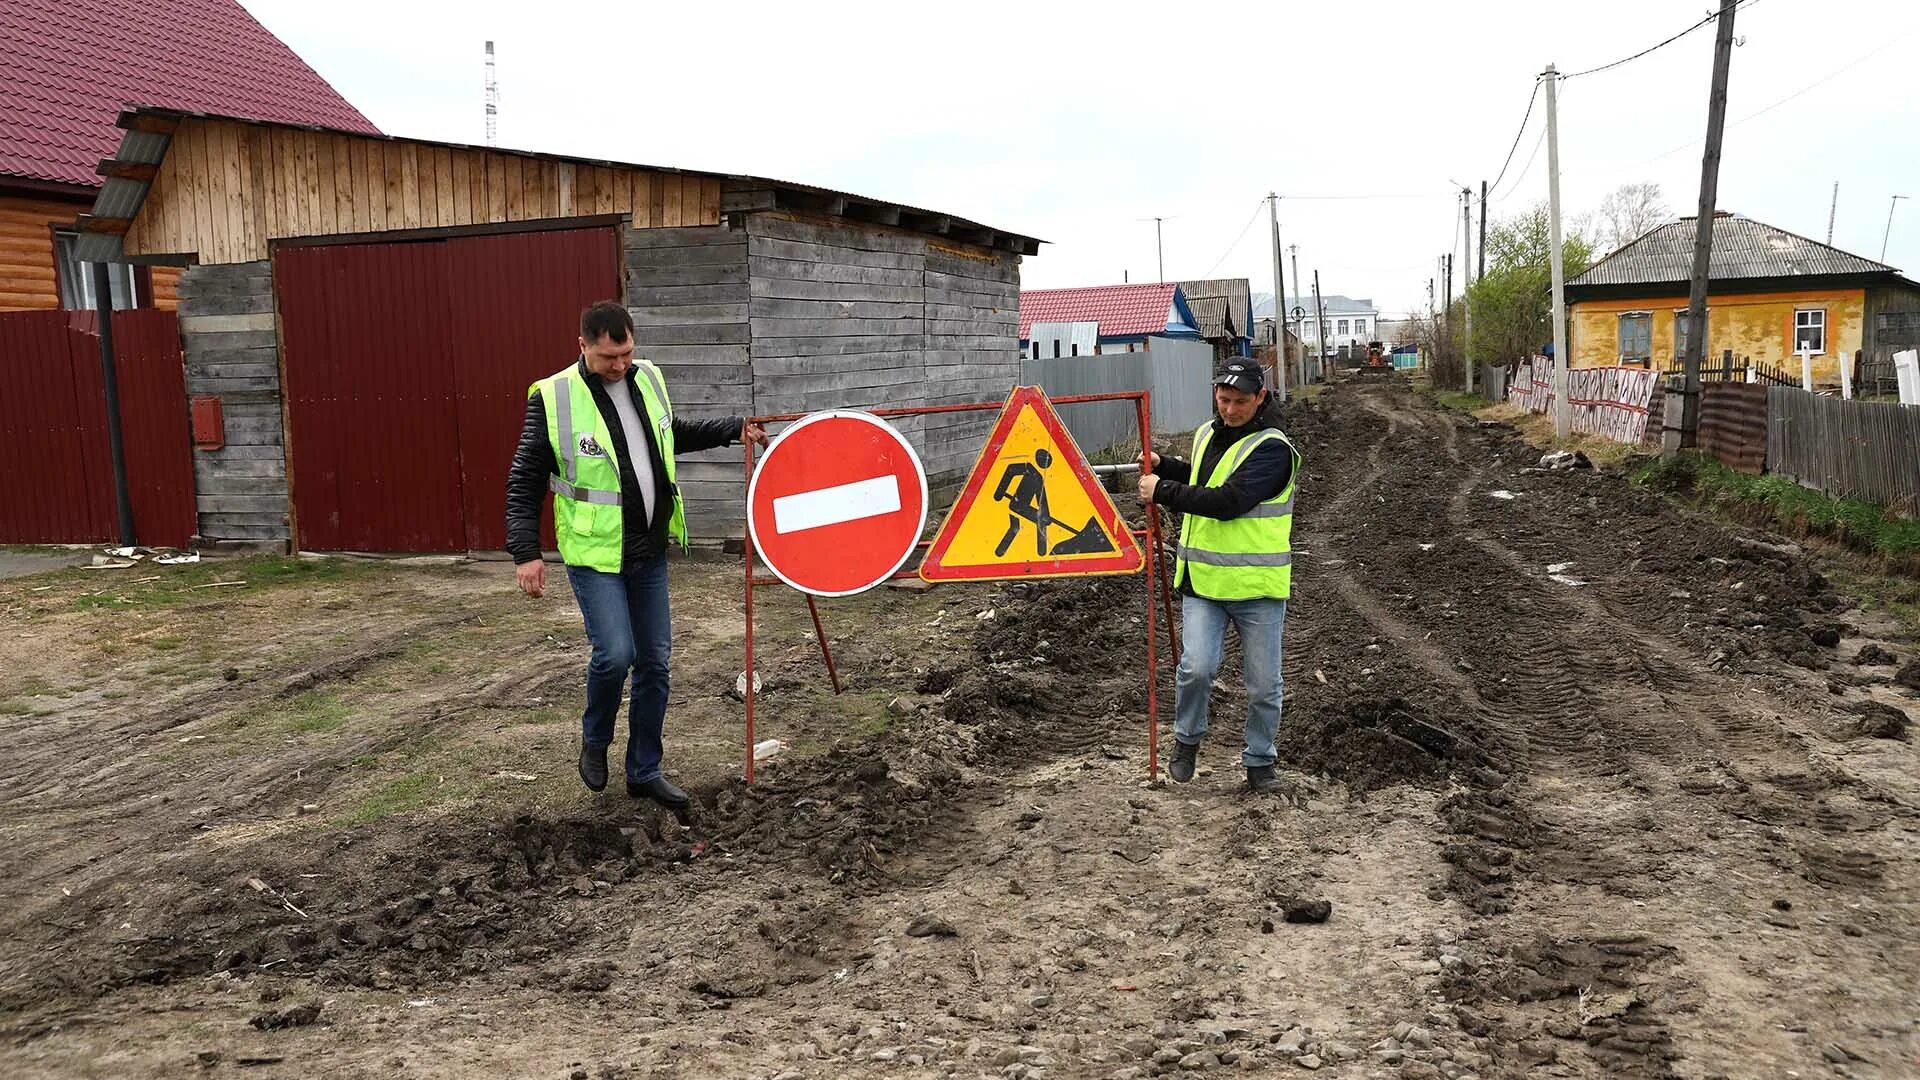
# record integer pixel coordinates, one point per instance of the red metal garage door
(407, 370)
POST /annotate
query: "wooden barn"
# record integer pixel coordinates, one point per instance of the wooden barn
(361, 315)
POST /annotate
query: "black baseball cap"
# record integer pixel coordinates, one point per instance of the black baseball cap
(1242, 375)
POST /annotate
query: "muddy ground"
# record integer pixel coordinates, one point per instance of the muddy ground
(1639, 815)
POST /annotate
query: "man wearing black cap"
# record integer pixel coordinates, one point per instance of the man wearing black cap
(1235, 563)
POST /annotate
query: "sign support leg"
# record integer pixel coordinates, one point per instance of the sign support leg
(747, 558)
(820, 634)
(1153, 561)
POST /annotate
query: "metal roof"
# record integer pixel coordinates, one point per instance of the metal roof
(1210, 315)
(1335, 305)
(1236, 292)
(1121, 310)
(1743, 249)
(71, 64)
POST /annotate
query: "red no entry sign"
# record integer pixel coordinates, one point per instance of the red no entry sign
(837, 503)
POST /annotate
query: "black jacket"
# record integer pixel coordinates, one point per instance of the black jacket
(534, 462)
(1264, 475)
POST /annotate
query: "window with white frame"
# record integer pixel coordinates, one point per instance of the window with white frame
(1680, 334)
(1341, 328)
(76, 277)
(1810, 330)
(1636, 337)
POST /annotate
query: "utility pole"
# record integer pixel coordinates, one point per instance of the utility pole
(1466, 281)
(1562, 408)
(1300, 356)
(1703, 226)
(1159, 252)
(1889, 230)
(1280, 358)
(1833, 210)
(1482, 272)
(110, 382)
(1447, 309)
(1320, 317)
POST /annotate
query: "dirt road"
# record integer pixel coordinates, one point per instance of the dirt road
(1588, 783)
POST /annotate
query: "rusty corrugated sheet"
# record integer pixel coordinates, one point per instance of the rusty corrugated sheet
(407, 368)
(57, 486)
(1733, 425)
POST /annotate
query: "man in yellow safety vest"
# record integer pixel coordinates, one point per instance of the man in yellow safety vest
(601, 435)
(1235, 564)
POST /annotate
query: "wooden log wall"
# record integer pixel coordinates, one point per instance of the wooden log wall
(231, 348)
(687, 291)
(227, 188)
(27, 276)
(795, 314)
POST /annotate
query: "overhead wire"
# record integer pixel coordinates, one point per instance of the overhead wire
(1237, 239)
(1656, 46)
(1535, 96)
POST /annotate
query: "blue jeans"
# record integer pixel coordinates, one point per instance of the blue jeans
(1203, 642)
(630, 627)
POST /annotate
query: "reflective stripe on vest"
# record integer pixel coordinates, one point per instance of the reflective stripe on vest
(588, 511)
(1245, 557)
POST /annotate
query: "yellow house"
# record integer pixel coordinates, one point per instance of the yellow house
(1770, 294)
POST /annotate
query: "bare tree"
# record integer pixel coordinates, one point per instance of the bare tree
(1629, 212)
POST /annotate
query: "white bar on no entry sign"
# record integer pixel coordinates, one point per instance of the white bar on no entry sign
(831, 506)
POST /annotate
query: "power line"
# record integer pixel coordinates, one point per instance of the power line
(1821, 81)
(1416, 195)
(1236, 240)
(1525, 170)
(1535, 96)
(1651, 48)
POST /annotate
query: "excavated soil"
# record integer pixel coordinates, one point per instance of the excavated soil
(1582, 785)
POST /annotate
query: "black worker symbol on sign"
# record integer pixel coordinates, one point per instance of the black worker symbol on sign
(1023, 487)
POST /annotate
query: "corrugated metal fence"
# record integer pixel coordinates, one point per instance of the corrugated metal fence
(57, 484)
(1847, 449)
(1179, 373)
(1733, 425)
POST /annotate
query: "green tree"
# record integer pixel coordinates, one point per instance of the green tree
(1513, 303)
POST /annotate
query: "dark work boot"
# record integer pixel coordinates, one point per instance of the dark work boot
(593, 766)
(661, 791)
(1262, 780)
(1184, 756)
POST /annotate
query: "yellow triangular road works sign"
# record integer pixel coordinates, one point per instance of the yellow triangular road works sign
(1032, 507)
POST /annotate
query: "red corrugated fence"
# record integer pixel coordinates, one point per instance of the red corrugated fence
(56, 485)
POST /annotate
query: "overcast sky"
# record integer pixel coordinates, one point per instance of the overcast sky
(1080, 123)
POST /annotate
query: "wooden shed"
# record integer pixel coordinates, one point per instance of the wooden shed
(361, 315)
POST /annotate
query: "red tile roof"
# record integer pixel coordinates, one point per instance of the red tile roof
(67, 68)
(1121, 310)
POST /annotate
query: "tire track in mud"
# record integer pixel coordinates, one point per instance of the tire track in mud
(1586, 749)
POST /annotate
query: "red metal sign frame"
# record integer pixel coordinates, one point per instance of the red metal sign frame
(1156, 564)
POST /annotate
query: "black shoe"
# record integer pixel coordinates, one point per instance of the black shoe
(1262, 780)
(1184, 755)
(593, 767)
(661, 791)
